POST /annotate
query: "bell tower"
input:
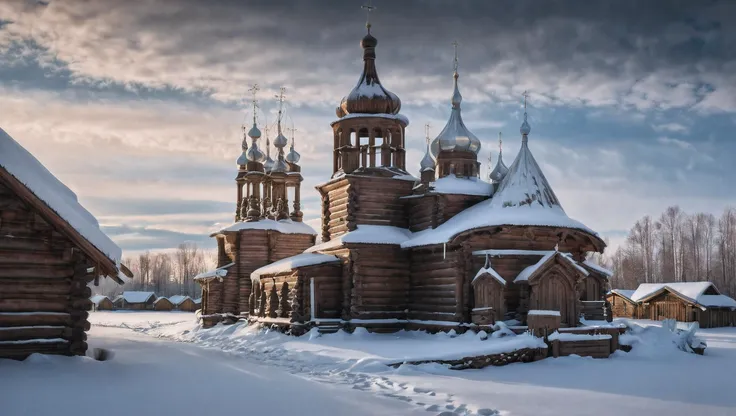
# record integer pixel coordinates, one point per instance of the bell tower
(369, 132)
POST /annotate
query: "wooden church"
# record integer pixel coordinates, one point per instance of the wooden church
(446, 250)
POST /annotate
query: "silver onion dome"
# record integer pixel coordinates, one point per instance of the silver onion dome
(293, 156)
(500, 170)
(254, 132)
(455, 137)
(255, 154)
(427, 162)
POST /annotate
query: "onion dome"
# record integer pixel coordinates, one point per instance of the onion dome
(279, 165)
(293, 156)
(243, 159)
(455, 137)
(255, 154)
(369, 96)
(427, 162)
(254, 132)
(525, 127)
(500, 170)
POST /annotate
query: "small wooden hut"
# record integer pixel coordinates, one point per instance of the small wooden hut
(135, 300)
(101, 303)
(183, 303)
(622, 305)
(163, 304)
(50, 249)
(489, 291)
(685, 302)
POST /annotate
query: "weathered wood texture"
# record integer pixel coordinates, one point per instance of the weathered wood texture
(434, 285)
(288, 295)
(103, 305)
(431, 210)
(249, 249)
(380, 282)
(622, 307)
(44, 296)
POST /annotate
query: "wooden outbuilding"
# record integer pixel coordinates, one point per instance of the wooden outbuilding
(622, 305)
(685, 302)
(135, 300)
(50, 249)
(101, 303)
(163, 304)
(183, 303)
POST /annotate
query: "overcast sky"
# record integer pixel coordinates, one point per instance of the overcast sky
(137, 105)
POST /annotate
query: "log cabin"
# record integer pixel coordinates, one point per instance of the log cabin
(622, 305)
(101, 303)
(163, 304)
(183, 303)
(447, 250)
(135, 300)
(700, 302)
(51, 248)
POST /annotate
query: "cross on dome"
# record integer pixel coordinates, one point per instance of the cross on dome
(368, 8)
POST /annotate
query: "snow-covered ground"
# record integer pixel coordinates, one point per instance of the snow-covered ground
(165, 363)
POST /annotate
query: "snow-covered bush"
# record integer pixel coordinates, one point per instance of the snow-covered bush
(661, 340)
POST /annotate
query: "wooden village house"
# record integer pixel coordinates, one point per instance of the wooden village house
(698, 302)
(101, 303)
(135, 300)
(183, 303)
(445, 250)
(163, 304)
(50, 249)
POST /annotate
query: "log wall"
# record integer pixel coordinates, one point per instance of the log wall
(44, 296)
(620, 307)
(380, 282)
(434, 285)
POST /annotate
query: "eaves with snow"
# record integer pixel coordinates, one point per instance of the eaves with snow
(58, 204)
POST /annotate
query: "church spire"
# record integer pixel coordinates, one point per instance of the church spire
(293, 156)
(427, 162)
(525, 127)
(255, 154)
(281, 141)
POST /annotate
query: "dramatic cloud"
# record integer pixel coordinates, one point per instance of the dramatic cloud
(138, 105)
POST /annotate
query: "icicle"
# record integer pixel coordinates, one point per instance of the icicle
(444, 251)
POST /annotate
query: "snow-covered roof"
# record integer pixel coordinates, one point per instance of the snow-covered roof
(366, 234)
(542, 312)
(136, 297)
(529, 271)
(624, 292)
(96, 299)
(290, 263)
(197, 300)
(161, 299)
(45, 186)
(283, 226)
(218, 272)
(718, 301)
(524, 198)
(692, 291)
(451, 184)
(489, 270)
(178, 299)
(598, 268)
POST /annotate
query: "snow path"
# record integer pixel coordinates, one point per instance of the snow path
(649, 380)
(151, 376)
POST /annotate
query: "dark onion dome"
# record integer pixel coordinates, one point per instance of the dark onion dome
(369, 96)
(455, 137)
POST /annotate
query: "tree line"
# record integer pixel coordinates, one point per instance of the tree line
(165, 273)
(678, 247)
